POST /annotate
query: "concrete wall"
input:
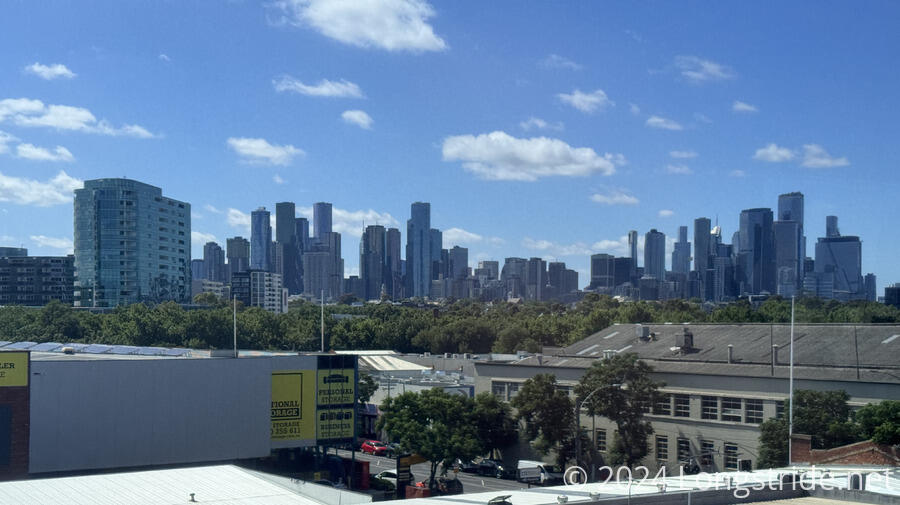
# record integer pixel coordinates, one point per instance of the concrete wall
(94, 414)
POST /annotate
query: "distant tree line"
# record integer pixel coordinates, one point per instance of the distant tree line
(456, 326)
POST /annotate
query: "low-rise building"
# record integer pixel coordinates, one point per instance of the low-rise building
(36, 280)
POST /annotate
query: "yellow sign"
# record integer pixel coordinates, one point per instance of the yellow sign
(293, 407)
(335, 423)
(336, 387)
(13, 369)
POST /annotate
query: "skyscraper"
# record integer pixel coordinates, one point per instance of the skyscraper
(393, 276)
(831, 227)
(756, 252)
(701, 245)
(132, 244)
(535, 279)
(655, 255)
(418, 250)
(372, 259)
(789, 262)
(633, 250)
(238, 254)
(436, 243)
(321, 219)
(838, 265)
(214, 262)
(681, 256)
(260, 240)
(459, 262)
(288, 246)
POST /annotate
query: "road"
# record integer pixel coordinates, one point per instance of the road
(472, 483)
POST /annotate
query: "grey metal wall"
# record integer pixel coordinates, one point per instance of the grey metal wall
(93, 414)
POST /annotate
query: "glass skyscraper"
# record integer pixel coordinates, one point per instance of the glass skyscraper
(260, 240)
(132, 244)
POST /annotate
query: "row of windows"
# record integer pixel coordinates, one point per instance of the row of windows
(705, 458)
(747, 410)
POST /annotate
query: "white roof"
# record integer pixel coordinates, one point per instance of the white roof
(223, 484)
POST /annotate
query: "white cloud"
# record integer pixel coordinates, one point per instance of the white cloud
(557, 61)
(261, 151)
(54, 243)
(739, 106)
(615, 197)
(392, 25)
(210, 208)
(683, 155)
(738, 173)
(698, 70)
(555, 249)
(663, 123)
(198, 240)
(357, 117)
(5, 140)
(618, 247)
(33, 113)
(32, 152)
(56, 191)
(773, 154)
(537, 123)
(458, 236)
(196, 215)
(702, 118)
(587, 102)
(679, 169)
(815, 156)
(666, 213)
(238, 219)
(164, 57)
(277, 179)
(635, 110)
(352, 222)
(500, 157)
(50, 72)
(324, 88)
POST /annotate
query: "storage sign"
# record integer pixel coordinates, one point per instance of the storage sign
(13, 369)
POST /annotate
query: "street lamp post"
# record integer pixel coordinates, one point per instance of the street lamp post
(578, 407)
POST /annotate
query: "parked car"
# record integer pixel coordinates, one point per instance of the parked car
(374, 447)
(495, 468)
(538, 472)
(394, 450)
(391, 476)
(465, 466)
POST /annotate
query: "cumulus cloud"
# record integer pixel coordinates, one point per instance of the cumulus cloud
(324, 88)
(358, 118)
(210, 208)
(238, 219)
(772, 153)
(164, 57)
(557, 61)
(65, 244)
(50, 72)
(698, 70)
(56, 191)
(535, 123)
(618, 247)
(277, 179)
(32, 152)
(679, 169)
(635, 110)
(5, 140)
(739, 106)
(34, 113)
(683, 154)
(551, 248)
(253, 150)
(815, 156)
(458, 236)
(586, 102)
(199, 239)
(663, 123)
(391, 25)
(500, 157)
(666, 213)
(615, 197)
(352, 222)
(702, 118)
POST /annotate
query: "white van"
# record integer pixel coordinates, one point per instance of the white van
(538, 472)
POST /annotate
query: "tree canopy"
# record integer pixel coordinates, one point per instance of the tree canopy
(547, 414)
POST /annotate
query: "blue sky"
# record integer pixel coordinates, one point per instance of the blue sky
(533, 128)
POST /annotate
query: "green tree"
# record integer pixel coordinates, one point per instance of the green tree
(547, 414)
(366, 387)
(434, 424)
(880, 422)
(620, 389)
(773, 435)
(494, 422)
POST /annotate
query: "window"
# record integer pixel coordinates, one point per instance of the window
(601, 440)
(707, 450)
(779, 409)
(731, 409)
(684, 450)
(498, 389)
(731, 456)
(753, 411)
(662, 447)
(682, 406)
(710, 407)
(663, 405)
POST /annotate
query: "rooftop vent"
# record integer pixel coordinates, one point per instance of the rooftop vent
(608, 353)
(642, 331)
(685, 341)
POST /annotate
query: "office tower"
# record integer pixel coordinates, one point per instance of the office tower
(198, 269)
(756, 252)
(790, 208)
(438, 266)
(321, 219)
(831, 227)
(393, 276)
(301, 230)
(681, 256)
(418, 250)
(336, 273)
(13, 252)
(318, 270)
(535, 279)
(633, 250)
(701, 244)
(556, 272)
(459, 262)
(491, 269)
(571, 281)
(787, 260)
(213, 262)
(655, 255)
(372, 262)
(260, 240)
(40, 279)
(132, 244)
(513, 277)
(288, 247)
(892, 295)
(838, 266)
(870, 287)
(255, 288)
(237, 251)
(607, 272)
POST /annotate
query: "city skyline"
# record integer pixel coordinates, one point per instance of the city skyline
(657, 127)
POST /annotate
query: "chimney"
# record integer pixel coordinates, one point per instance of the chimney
(730, 353)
